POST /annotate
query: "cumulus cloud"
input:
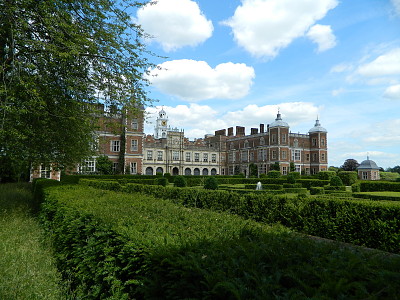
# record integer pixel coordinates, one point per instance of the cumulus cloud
(386, 64)
(175, 23)
(263, 27)
(323, 36)
(198, 120)
(396, 4)
(196, 80)
(292, 112)
(392, 92)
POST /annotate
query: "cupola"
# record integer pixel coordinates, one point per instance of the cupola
(317, 127)
(278, 122)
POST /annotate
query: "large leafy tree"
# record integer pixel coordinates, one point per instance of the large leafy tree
(350, 165)
(57, 59)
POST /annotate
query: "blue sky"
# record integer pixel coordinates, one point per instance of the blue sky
(235, 62)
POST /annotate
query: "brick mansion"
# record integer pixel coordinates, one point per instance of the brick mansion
(226, 152)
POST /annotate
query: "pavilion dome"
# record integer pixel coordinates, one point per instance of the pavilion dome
(368, 164)
(317, 128)
(278, 122)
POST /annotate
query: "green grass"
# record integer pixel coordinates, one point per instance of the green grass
(390, 194)
(27, 269)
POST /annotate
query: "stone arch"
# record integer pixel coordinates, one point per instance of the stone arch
(205, 172)
(188, 172)
(149, 171)
(175, 171)
(160, 170)
(196, 171)
(213, 171)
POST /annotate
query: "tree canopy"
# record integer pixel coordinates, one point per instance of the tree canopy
(350, 165)
(57, 58)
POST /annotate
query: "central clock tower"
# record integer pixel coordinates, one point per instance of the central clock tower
(161, 125)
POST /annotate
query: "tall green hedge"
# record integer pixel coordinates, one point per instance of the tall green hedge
(379, 186)
(111, 245)
(365, 223)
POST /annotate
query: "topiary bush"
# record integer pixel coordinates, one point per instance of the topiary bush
(274, 174)
(292, 177)
(169, 177)
(326, 175)
(355, 188)
(336, 181)
(211, 183)
(348, 177)
(180, 181)
(161, 181)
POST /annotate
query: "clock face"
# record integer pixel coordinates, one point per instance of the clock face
(163, 123)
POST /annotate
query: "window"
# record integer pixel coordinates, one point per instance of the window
(365, 175)
(44, 171)
(284, 170)
(274, 138)
(246, 144)
(308, 157)
(244, 155)
(135, 124)
(188, 156)
(283, 154)
(314, 157)
(230, 157)
(284, 138)
(88, 166)
(322, 156)
(323, 142)
(175, 155)
(115, 167)
(205, 157)
(134, 145)
(298, 168)
(296, 155)
(251, 156)
(115, 146)
(273, 154)
(197, 157)
(214, 158)
(133, 168)
(262, 141)
(149, 154)
(314, 142)
(159, 155)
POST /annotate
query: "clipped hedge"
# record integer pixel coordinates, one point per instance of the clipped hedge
(308, 183)
(366, 223)
(118, 246)
(378, 196)
(317, 190)
(379, 186)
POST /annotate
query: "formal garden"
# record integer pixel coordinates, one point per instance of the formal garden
(222, 237)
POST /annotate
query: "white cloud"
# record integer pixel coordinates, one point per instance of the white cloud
(196, 80)
(323, 36)
(396, 4)
(341, 68)
(263, 27)
(337, 92)
(392, 92)
(175, 23)
(198, 120)
(387, 64)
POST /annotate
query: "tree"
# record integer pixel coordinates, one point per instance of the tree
(253, 170)
(104, 165)
(211, 183)
(57, 59)
(292, 167)
(275, 166)
(350, 165)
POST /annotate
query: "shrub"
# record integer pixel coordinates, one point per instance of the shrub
(211, 183)
(317, 190)
(348, 177)
(292, 177)
(180, 181)
(326, 175)
(336, 181)
(169, 177)
(274, 174)
(355, 188)
(161, 181)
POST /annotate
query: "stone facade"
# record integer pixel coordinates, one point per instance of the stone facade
(122, 139)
